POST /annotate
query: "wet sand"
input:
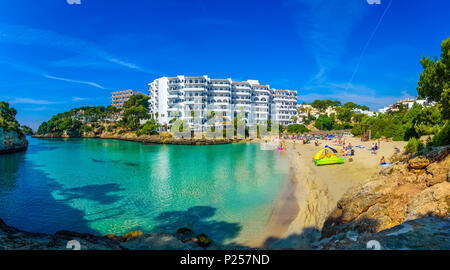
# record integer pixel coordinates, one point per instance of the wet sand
(313, 191)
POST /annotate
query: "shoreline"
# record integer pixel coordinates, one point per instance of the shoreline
(311, 193)
(148, 139)
(284, 211)
(308, 195)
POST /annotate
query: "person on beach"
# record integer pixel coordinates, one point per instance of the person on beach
(382, 161)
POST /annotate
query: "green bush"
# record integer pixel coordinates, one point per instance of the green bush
(324, 122)
(414, 146)
(149, 128)
(443, 135)
(297, 128)
(8, 118)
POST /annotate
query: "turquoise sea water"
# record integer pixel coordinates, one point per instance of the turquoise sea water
(108, 186)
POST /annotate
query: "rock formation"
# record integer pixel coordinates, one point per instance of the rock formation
(410, 189)
(12, 141)
(428, 233)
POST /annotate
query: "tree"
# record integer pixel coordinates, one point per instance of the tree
(8, 118)
(345, 114)
(26, 130)
(150, 128)
(434, 83)
(365, 108)
(319, 104)
(112, 113)
(357, 117)
(427, 121)
(324, 122)
(135, 109)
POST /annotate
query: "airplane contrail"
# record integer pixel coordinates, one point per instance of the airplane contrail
(367, 44)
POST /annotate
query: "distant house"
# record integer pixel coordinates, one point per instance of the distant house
(408, 103)
(369, 113)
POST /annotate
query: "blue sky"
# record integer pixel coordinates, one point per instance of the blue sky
(55, 56)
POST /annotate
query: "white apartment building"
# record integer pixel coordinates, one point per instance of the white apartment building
(180, 96)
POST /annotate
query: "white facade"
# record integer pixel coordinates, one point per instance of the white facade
(369, 113)
(181, 96)
(409, 103)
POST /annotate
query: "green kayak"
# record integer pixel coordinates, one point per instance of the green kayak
(329, 160)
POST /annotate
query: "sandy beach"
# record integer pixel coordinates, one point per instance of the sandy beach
(312, 192)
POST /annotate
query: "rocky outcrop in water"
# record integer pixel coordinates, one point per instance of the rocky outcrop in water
(410, 189)
(12, 141)
(15, 239)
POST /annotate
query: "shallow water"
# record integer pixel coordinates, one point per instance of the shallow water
(107, 186)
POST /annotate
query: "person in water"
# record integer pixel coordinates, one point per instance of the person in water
(382, 161)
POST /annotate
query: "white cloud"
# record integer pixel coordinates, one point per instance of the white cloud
(73, 81)
(37, 109)
(31, 101)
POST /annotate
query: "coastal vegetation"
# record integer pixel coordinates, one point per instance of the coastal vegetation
(12, 135)
(26, 130)
(297, 128)
(8, 118)
(97, 120)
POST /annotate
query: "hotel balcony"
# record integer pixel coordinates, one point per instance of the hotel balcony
(261, 101)
(245, 87)
(195, 89)
(220, 103)
(219, 91)
(262, 91)
(242, 93)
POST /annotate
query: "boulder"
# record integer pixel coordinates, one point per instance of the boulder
(431, 201)
(439, 172)
(133, 234)
(418, 163)
(203, 240)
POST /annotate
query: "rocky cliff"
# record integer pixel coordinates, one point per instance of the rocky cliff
(410, 189)
(12, 141)
(427, 233)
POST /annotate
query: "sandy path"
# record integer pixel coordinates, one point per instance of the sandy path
(313, 191)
